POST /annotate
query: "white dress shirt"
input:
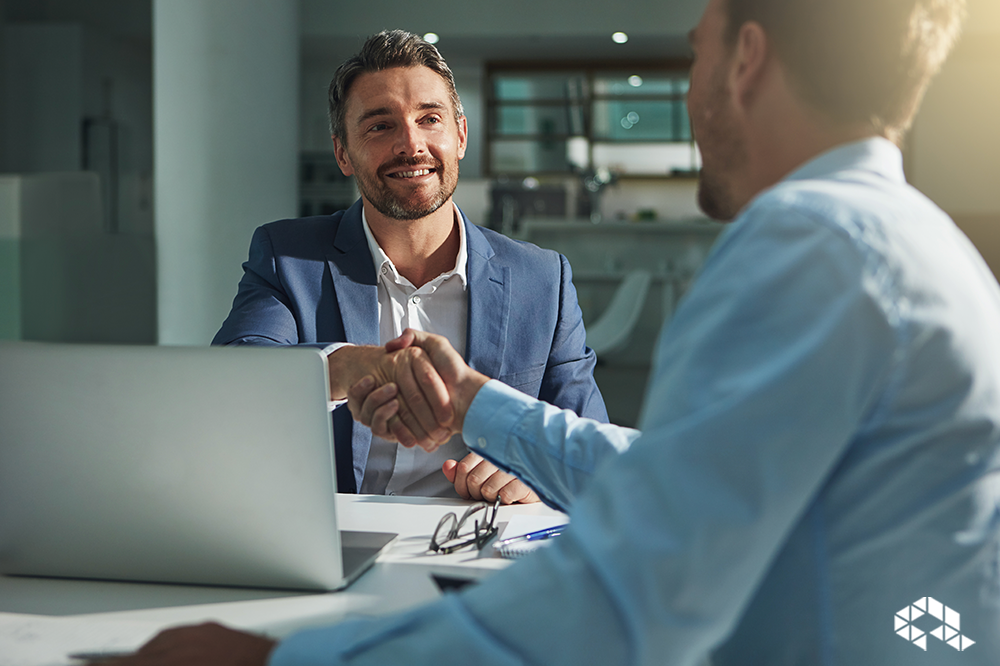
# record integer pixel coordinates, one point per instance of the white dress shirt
(440, 306)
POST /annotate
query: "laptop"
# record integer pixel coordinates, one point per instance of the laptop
(195, 465)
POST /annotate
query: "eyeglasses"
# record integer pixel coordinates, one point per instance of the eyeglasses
(449, 535)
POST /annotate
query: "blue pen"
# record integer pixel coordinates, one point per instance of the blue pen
(540, 535)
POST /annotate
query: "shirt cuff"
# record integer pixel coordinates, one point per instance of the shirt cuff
(329, 349)
(491, 418)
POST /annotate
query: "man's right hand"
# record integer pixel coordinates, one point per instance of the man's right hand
(425, 413)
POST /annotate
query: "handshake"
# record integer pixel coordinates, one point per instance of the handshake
(416, 391)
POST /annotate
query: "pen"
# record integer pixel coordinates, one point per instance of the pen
(540, 535)
(98, 657)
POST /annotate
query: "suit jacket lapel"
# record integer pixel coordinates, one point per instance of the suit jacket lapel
(489, 305)
(354, 279)
(356, 289)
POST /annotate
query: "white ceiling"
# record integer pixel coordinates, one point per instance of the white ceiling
(511, 30)
(470, 30)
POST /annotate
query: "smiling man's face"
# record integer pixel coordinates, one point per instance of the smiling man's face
(403, 141)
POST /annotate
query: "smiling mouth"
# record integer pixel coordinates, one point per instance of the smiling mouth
(412, 174)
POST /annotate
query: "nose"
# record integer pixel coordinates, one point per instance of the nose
(409, 142)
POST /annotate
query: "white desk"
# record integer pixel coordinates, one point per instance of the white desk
(84, 615)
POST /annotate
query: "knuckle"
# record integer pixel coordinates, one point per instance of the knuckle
(478, 478)
(415, 398)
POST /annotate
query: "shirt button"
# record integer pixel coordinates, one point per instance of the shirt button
(481, 442)
(385, 269)
(415, 300)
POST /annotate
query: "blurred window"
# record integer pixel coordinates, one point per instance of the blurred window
(550, 120)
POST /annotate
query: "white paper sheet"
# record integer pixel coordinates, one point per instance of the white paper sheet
(40, 640)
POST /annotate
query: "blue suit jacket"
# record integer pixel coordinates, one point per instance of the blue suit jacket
(312, 280)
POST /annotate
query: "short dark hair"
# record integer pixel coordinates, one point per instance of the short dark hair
(385, 50)
(858, 60)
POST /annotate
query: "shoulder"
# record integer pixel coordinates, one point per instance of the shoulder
(494, 246)
(307, 228)
(302, 237)
(864, 209)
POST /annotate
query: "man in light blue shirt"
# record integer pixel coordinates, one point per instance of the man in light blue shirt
(817, 478)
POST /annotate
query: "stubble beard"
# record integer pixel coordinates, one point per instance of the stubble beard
(714, 198)
(724, 152)
(377, 193)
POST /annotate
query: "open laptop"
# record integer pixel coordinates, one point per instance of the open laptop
(199, 465)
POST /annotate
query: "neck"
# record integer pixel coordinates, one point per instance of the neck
(786, 133)
(420, 249)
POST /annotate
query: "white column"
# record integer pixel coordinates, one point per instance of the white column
(225, 117)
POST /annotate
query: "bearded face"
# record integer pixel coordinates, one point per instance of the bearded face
(403, 141)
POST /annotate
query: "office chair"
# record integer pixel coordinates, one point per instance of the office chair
(611, 332)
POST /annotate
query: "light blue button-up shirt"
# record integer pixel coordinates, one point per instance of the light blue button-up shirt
(818, 475)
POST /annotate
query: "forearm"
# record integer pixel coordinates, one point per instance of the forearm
(554, 451)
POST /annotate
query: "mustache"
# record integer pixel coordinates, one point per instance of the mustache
(412, 162)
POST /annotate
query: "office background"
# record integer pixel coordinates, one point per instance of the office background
(142, 141)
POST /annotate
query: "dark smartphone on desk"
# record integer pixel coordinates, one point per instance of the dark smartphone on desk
(451, 583)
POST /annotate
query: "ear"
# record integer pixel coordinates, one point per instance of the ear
(463, 136)
(343, 159)
(750, 60)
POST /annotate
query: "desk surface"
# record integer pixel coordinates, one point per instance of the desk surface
(73, 614)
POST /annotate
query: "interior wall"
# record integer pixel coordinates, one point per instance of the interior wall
(226, 77)
(63, 278)
(43, 72)
(117, 82)
(69, 276)
(10, 259)
(955, 142)
(3, 79)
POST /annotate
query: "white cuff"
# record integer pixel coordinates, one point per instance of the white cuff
(333, 404)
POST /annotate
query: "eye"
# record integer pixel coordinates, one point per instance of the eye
(378, 127)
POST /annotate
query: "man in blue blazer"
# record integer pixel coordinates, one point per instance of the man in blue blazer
(405, 256)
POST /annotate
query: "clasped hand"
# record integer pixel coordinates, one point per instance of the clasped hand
(418, 396)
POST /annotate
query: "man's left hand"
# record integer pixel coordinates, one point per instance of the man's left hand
(476, 478)
(208, 644)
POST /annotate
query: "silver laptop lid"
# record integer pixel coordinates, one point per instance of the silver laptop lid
(168, 464)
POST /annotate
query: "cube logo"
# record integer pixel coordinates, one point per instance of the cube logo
(947, 631)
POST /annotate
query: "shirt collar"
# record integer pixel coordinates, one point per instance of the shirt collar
(875, 154)
(381, 259)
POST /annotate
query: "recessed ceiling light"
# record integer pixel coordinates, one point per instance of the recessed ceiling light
(619, 37)
(431, 38)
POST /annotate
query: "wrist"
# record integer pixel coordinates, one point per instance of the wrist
(348, 365)
(466, 389)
